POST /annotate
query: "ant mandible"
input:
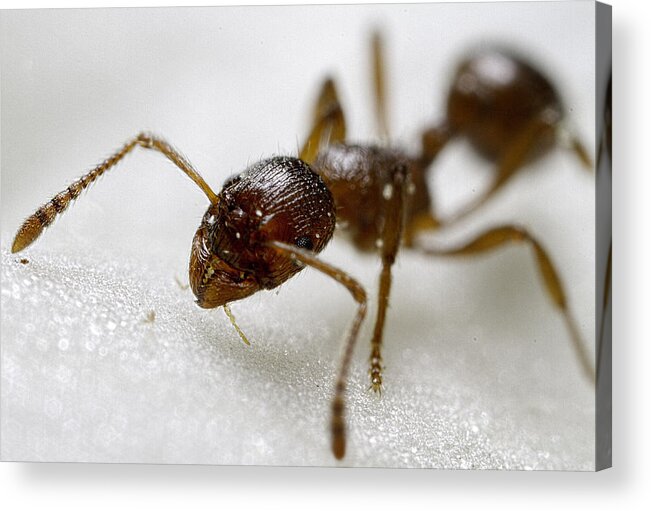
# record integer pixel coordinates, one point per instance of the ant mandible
(271, 220)
(264, 226)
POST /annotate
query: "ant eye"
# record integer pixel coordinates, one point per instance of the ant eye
(305, 242)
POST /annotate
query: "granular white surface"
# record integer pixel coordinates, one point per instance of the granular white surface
(479, 371)
(88, 376)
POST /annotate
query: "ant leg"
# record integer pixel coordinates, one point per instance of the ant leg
(337, 426)
(379, 86)
(425, 221)
(35, 224)
(581, 152)
(504, 235)
(433, 140)
(511, 162)
(328, 125)
(394, 214)
(570, 141)
(606, 299)
(606, 145)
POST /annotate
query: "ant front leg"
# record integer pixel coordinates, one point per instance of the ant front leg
(502, 236)
(337, 423)
(394, 217)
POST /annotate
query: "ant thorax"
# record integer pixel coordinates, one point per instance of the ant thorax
(361, 180)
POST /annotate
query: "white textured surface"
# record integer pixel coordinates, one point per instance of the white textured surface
(479, 371)
(87, 377)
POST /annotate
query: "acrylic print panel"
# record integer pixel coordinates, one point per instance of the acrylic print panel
(105, 355)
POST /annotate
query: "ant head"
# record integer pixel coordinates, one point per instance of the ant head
(215, 277)
(278, 199)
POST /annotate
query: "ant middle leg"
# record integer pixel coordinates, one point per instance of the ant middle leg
(389, 243)
(499, 237)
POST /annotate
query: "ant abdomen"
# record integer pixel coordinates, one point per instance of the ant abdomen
(279, 199)
(495, 97)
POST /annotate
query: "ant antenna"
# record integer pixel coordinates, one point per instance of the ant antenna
(35, 224)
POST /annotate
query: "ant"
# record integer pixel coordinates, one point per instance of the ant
(265, 225)
(273, 219)
(509, 111)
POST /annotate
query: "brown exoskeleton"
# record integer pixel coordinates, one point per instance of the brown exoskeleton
(271, 220)
(264, 226)
(509, 113)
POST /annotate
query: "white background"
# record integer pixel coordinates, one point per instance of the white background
(110, 486)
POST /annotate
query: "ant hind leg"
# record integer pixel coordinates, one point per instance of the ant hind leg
(510, 163)
(499, 237)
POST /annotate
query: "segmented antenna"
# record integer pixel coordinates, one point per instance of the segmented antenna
(35, 224)
(43, 217)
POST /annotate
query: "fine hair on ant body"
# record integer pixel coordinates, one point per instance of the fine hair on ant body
(273, 219)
